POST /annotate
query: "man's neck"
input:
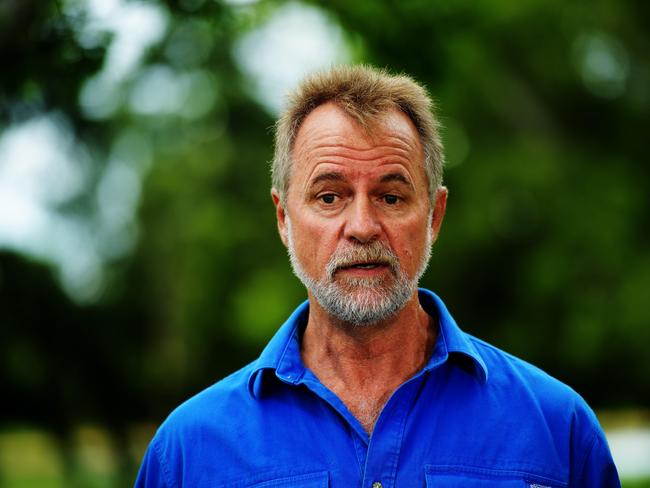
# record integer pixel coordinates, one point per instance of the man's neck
(364, 365)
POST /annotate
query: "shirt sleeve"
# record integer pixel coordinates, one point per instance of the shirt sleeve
(598, 470)
(152, 473)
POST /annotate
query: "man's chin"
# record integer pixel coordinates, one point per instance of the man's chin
(374, 284)
(371, 294)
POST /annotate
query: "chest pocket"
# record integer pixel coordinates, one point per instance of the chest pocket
(467, 477)
(310, 480)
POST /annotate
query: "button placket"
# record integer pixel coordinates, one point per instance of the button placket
(386, 440)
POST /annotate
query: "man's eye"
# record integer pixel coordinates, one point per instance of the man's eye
(328, 198)
(391, 199)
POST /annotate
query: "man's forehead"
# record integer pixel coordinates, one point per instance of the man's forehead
(331, 121)
(330, 140)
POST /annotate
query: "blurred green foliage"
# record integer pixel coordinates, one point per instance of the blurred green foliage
(545, 107)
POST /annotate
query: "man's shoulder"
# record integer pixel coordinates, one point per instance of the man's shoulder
(223, 398)
(216, 429)
(512, 377)
(505, 368)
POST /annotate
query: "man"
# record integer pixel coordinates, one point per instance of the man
(370, 383)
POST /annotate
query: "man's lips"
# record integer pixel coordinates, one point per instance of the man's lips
(363, 265)
(367, 261)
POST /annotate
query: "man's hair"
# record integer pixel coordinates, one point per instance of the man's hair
(366, 94)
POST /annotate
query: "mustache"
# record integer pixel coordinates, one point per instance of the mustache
(374, 252)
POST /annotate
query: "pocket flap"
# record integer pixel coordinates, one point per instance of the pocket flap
(467, 477)
(309, 480)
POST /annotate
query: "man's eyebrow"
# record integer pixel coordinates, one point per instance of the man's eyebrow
(395, 177)
(329, 176)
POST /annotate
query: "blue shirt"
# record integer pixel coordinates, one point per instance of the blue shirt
(474, 416)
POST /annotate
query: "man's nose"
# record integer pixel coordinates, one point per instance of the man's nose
(362, 224)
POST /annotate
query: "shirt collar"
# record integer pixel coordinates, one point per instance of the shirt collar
(282, 353)
(451, 340)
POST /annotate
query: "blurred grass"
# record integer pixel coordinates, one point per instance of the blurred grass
(645, 483)
(88, 458)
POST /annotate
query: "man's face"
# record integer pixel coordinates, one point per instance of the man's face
(358, 220)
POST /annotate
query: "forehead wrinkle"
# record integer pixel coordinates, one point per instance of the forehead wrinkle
(393, 143)
(361, 155)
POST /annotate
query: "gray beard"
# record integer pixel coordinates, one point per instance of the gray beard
(361, 301)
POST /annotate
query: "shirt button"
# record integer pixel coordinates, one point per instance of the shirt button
(377, 484)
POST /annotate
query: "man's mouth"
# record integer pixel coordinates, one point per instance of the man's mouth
(363, 265)
(371, 261)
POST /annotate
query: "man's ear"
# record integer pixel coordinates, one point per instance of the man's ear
(281, 215)
(439, 207)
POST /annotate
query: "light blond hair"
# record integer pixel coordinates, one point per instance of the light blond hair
(366, 94)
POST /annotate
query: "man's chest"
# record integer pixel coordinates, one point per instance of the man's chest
(317, 442)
